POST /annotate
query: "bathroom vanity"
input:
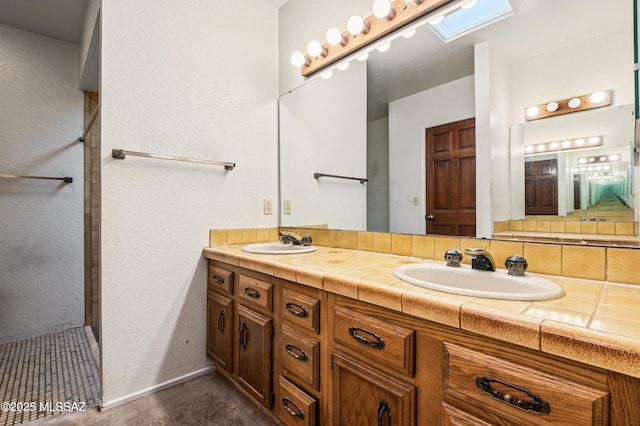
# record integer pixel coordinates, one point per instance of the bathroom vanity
(333, 338)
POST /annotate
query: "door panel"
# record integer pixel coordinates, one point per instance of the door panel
(541, 187)
(451, 179)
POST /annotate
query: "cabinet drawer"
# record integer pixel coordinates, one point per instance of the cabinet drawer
(451, 416)
(376, 340)
(520, 394)
(220, 279)
(301, 310)
(255, 292)
(300, 357)
(295, 407)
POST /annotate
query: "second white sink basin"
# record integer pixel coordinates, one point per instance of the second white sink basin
(277, 248)
(469, 282)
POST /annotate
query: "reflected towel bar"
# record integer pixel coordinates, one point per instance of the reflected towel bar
(64, 179)
(319, 175)
(121, 154)
(92, 119)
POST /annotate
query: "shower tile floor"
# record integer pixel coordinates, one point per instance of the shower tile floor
(46, 375)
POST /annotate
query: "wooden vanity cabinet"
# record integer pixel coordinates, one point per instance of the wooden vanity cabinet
(316, 358)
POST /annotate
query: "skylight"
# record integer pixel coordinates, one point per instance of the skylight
(464, 21)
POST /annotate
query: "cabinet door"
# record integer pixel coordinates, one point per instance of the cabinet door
(254, 354)
(220, 329)
(364, 396)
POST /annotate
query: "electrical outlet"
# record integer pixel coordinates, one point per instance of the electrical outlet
(416, 201)
(267, 206)
(286, 206)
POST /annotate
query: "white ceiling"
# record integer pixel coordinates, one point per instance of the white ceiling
(59, 19)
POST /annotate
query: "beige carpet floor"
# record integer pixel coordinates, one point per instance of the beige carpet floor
(207, 400)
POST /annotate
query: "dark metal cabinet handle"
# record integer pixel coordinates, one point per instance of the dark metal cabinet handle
(218, 279)
(296, 352)
(383, 407)
(243, 336)
(376, 343)
(252, 292)
(297, 310)
(298, 411)
(537, 404)
(221, 321)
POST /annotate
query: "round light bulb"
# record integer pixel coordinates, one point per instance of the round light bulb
(383, 9)
(614, 157)
(343, 66)
(606, 167)
(566, 144)
(532, 111)
(384, 47)
(603, 158)
(597, 97)
(470, 4)
(598, 168)
(436, 20)
(574, 102)
(616, 173)
(529, 148)
(594, 140)
(575, 170)
(355, 25)
(314, 48)
(409, 33)
(298, 59)
(553, 145)
(334, 36)
(582, 161)
(552, 106)
(589, 169)
(541, 147)
(583, 169)
(363, 57)
(579, 142)
(592, 159)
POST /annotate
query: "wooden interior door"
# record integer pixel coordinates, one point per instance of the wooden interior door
(541, 187)
(577, 202)
(451, 179)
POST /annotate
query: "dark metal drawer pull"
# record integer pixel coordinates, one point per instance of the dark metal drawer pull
(218, 279)
(537, 404)
(252, 292)
(243, 336)
(297, 310)
(221, 321)
(377, 343)
(298, 413)
(296, 352)
(383, 407)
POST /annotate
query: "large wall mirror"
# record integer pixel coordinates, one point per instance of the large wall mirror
(353, 146)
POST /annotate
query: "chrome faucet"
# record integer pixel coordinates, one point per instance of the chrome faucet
(480, 259)
(292, 238)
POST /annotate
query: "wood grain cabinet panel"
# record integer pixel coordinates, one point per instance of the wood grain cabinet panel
(220, 279)
(296, 407)
(376, 340)
(301, 310)
(519, 394)
(254, 354)
(364, 396)
(256, 293)
(220, 329)
(300, 357)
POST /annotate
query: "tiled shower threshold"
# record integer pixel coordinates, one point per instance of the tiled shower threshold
(47, 375)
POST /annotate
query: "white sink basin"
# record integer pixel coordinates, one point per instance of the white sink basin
(277, 248)
(469, 282)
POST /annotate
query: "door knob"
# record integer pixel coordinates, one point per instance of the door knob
(430, 217)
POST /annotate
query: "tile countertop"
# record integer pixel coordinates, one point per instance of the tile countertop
(596, 322)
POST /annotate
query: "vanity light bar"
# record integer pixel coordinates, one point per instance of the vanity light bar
(590, 169)
(595, 159)
(362, 32)
(563, 145)
(566, 106)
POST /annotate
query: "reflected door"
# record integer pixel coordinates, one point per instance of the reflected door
(451, 179)
(541, 187)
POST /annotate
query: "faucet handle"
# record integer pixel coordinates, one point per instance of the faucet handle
(306, 240)
(453, 256)
(516, 265)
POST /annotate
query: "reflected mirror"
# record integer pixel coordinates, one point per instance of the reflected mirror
(371, 120)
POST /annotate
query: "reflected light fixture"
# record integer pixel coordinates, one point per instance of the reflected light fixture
(577, 103)
(384, 47)
(563, 145)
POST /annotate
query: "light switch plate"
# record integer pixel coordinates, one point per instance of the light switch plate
(286, 208)
(267, 205)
